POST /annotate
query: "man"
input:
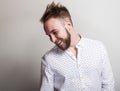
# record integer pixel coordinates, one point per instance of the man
(75, 63)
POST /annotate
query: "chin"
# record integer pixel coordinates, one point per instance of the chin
(63, 48)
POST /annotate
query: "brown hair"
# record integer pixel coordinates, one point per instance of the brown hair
(55, 11)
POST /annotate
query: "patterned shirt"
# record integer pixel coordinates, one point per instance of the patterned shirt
(90, 71)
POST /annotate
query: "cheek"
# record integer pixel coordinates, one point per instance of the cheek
(63, 35)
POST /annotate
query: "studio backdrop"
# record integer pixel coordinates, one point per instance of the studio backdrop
(23, 41)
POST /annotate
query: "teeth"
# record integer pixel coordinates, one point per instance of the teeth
(59, 42)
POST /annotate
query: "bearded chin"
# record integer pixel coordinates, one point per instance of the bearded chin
(66, 41)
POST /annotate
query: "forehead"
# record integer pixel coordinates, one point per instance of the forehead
(52, 24)
(53, 21)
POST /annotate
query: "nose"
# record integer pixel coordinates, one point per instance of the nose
(53, 38)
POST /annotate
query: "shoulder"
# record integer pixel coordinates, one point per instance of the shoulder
(92, 42)
(93, 45)
(52, 53)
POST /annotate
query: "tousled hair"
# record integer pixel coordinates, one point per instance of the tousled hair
(55, 11)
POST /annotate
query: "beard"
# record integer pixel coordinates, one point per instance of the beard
(65, 43)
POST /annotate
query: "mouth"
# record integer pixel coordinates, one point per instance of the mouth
(59, 43)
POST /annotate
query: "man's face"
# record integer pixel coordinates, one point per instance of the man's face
(57, 32)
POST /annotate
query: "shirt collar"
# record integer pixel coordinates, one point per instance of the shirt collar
(80, 43)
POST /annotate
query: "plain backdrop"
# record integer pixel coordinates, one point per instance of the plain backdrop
(23, 41)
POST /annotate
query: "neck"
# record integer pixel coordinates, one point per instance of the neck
(75, 38)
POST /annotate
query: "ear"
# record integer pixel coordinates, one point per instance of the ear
(68, 24)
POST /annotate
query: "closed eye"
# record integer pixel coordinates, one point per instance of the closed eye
(54, 32)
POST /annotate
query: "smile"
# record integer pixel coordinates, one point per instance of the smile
(59, 43)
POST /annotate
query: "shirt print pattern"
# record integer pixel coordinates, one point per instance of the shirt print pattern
(90, 71)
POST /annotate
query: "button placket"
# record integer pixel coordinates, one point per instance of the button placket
(79, 67)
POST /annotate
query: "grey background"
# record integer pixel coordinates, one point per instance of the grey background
(23, 41)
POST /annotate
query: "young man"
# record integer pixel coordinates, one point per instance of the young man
(75, 63)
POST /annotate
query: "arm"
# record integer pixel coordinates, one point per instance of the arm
(46, 77)
(107, 75)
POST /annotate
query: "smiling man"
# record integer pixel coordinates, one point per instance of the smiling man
(75, 63)
(58, 33)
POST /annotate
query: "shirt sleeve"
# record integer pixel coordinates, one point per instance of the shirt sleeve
(46, 77)
(107, 74)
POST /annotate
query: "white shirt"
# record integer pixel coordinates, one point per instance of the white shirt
(90, 71)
